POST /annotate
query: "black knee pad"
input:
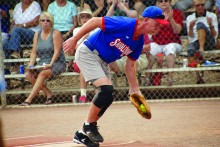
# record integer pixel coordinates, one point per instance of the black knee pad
(103, 98)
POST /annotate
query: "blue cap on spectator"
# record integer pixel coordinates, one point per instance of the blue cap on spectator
(155, 13)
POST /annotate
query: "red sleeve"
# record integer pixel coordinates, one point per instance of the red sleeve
(103, 24)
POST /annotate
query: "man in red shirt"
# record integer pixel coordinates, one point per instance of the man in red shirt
(167, 40)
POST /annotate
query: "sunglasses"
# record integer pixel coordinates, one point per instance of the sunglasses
(160, 1)
(200, 5)
(43, 20)
(85, 16)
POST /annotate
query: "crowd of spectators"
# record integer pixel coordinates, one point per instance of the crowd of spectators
(202, 26)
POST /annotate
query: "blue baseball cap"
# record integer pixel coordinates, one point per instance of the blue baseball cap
(155, 13)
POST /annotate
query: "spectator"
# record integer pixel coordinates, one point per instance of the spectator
(48, 47)
(167, 40)
(83, 17)
(65, 16)
(5, 20)
(23, 26)
(5, 27)
(185, 5)
(202, 29)
(98, 7)
(121, 8)
(5, 24)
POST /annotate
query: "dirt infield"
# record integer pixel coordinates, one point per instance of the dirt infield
(185, 124)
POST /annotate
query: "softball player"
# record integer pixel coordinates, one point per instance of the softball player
(117, 37)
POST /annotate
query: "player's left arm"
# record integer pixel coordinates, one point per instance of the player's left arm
(130, 72)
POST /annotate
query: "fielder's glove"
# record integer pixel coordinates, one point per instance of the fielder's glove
(137, 100)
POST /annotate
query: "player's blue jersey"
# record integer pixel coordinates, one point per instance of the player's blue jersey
(116, 39)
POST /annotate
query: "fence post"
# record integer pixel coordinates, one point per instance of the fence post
(3, 99)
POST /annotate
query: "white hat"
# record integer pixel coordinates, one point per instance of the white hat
(85, 11)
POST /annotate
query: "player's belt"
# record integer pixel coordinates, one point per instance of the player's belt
(91, 48)
(87, 43)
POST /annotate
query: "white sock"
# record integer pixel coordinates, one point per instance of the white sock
(83, 92)
(86, 123)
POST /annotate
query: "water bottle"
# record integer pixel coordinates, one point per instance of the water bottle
(185, 63)
(21, 69)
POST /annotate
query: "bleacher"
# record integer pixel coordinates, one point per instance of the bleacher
(117, 80)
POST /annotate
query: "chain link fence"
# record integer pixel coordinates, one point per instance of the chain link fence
(67, 85)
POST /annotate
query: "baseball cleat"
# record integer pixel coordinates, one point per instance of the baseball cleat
(91, 130)
(81, 138)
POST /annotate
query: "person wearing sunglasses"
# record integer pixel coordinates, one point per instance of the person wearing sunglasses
(83, 16)
(47, 47)
(202, 29)
(115, 37)
(166, 41)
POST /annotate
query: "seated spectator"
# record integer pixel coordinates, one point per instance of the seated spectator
(48, 47)
(121, 8)
(24, 25)
(65, 16)
(202, 29)
(5, 27)
(83, 17)
(98, 7)
(185, 5)
(5, 20)
(167, 40)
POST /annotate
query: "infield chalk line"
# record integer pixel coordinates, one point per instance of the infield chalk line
(116, 144)
(48, 144)
(24, 137)
(71, 143)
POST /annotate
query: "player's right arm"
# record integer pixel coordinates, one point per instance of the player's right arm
(95, 22)
(130, 72)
